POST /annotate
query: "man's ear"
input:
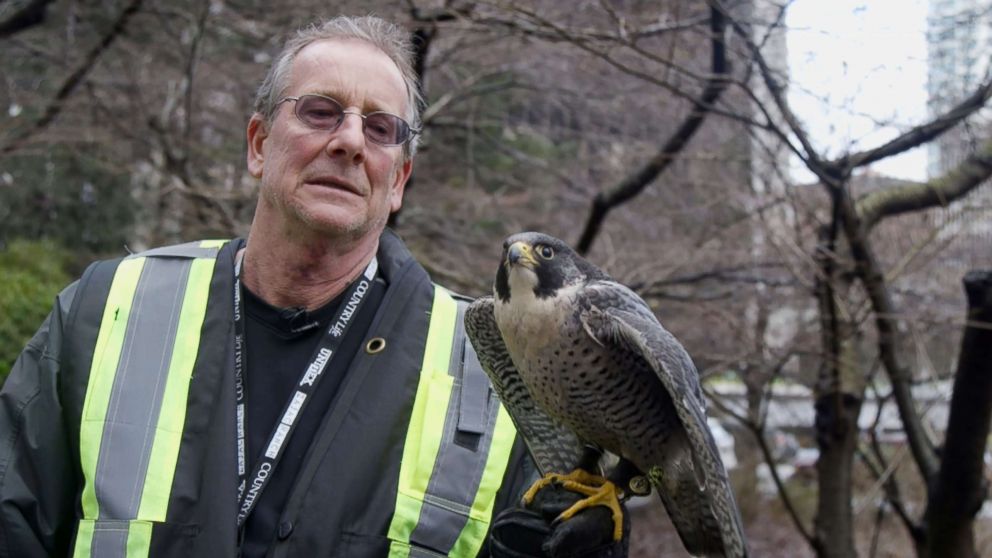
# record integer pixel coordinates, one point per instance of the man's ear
(257, 132)
(402, 175)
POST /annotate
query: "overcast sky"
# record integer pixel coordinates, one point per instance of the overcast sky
(856, 64)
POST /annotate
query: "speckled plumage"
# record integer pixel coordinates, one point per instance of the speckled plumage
(579, 359)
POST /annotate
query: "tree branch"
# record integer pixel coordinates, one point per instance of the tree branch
(943, 190)
(73, 80)
(884, 474)
(869, 272)
(923, 133)
(637, 182)
(560, 33)
(25, 16)
(810, 156)
(758, 431)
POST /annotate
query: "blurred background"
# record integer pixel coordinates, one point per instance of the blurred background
(797, 188)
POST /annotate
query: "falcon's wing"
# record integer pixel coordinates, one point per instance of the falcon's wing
(616, 316)
(554, 447)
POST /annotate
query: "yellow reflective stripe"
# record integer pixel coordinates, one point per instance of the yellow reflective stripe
(398, 549)
(84, 539)
(423, 438)
(106, 355)
(474, 534)
(139, 539)
(172, 416)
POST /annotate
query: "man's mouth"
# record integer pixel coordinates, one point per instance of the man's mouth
(334, 183)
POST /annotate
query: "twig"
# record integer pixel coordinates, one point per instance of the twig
(72, 81)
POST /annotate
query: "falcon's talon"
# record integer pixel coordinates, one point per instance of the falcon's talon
(537, 486)
(598, 491)
(606, 494)
(579, 476)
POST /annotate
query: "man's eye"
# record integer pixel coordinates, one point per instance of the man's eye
(320, 114)
(379, 124)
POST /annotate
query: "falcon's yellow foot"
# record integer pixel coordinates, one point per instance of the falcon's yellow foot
(599, 492)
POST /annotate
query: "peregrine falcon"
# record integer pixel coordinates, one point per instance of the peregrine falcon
(584, 367)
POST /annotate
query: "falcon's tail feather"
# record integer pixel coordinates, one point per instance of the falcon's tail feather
(698, 526)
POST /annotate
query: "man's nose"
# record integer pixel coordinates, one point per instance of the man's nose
(348, 140)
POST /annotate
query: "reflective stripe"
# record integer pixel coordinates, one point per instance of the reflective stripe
(463, 468)
(475, 390)
(139, 383)
(423, 438)
(84, 539)
(172, 417)
(135, 405)
(102, 371)
(453, 481)
(109, 538)
(204, 249)
(500, 446)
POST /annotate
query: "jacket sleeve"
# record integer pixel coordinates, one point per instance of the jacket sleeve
(520, 474)
(37, 486)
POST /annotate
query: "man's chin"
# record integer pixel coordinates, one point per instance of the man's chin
(339, 223)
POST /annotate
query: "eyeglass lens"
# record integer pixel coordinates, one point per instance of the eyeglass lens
(324, 113)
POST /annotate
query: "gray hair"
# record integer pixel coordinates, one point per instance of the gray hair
(393, 41)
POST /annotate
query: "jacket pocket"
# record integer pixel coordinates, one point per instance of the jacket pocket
(112, 538)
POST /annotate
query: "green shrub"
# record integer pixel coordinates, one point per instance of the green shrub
(31, 274)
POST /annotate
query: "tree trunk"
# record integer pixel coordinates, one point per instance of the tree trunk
(840, 388)
(960, 488)
(837, 438)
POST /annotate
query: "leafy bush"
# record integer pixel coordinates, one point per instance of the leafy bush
(31, 274)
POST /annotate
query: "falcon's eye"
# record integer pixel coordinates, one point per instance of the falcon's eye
(545, 251)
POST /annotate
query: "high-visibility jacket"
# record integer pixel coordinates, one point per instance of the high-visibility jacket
(117, 424)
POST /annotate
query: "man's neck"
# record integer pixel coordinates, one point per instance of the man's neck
(303, 273)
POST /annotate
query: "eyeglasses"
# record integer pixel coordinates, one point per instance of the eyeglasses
(324, 113)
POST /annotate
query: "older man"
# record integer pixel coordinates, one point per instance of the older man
(307, 392)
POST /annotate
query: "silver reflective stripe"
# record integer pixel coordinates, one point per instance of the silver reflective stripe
(475, 391)
(424, 553)
(109, 539)
(458, 467)
(188, 250)
(139, 384)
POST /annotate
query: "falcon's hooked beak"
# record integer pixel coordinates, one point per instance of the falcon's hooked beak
(520, 253)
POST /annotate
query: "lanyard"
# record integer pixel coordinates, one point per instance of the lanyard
(250, 490)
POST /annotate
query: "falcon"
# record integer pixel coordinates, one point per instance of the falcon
(588, 375)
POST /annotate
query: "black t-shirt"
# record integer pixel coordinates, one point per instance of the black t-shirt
(279, 344)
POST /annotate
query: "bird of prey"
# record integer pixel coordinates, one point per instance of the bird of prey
(584, 367)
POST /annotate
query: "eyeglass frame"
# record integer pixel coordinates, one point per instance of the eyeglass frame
(296, 99)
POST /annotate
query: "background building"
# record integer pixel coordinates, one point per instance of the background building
(960, 58)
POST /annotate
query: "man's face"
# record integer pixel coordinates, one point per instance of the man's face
(337, 182)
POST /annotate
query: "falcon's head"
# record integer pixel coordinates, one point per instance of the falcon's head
(543, 263)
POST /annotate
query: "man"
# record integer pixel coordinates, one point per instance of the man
(307, 392)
